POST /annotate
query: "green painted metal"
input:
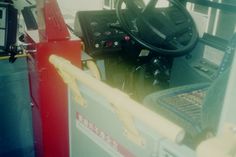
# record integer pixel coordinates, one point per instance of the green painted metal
(16, 138)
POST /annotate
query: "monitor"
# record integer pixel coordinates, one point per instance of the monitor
(213, 55)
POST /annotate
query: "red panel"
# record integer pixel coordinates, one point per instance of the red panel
(56, 28)
(49, 96)
(48, 91)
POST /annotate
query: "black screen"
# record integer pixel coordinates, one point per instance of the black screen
(29, 15)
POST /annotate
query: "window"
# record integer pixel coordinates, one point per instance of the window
(107, 4)
(160, 3)
(200, 9)
(0, 14)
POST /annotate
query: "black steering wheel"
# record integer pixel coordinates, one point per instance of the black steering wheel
(168, 31)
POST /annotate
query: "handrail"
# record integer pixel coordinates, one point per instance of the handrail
(120, 100)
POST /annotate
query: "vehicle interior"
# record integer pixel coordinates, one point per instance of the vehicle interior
(174, 57)
(156, 55)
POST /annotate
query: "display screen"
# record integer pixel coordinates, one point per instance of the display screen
(213, 55)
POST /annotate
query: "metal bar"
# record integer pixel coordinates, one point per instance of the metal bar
(122, 101)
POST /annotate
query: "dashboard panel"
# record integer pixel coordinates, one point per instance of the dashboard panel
(100, 31)
(204, 64)
(216, 57)
(210, 58)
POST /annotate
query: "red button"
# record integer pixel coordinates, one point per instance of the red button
(109, 44)
(127, 38)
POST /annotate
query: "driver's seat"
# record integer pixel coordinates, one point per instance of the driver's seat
(187, 107)
(196, 108)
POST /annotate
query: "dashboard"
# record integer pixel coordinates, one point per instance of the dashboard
(210, 58)
(100, 31)
(102, 35)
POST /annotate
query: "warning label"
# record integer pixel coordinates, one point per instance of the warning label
(101, 138)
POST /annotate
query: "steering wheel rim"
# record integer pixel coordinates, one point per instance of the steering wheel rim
(184, 49)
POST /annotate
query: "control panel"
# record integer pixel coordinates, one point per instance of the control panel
(216, 56)
(8, 26)
(210, 62)
(100, 31)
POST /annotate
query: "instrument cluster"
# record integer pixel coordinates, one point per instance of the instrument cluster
(101, 32)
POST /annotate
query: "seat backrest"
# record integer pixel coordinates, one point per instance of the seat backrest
(213, 102)
(212, 105)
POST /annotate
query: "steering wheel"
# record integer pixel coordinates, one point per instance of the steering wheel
(168, 31)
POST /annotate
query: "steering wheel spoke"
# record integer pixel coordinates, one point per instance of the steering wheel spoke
(174, 43)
